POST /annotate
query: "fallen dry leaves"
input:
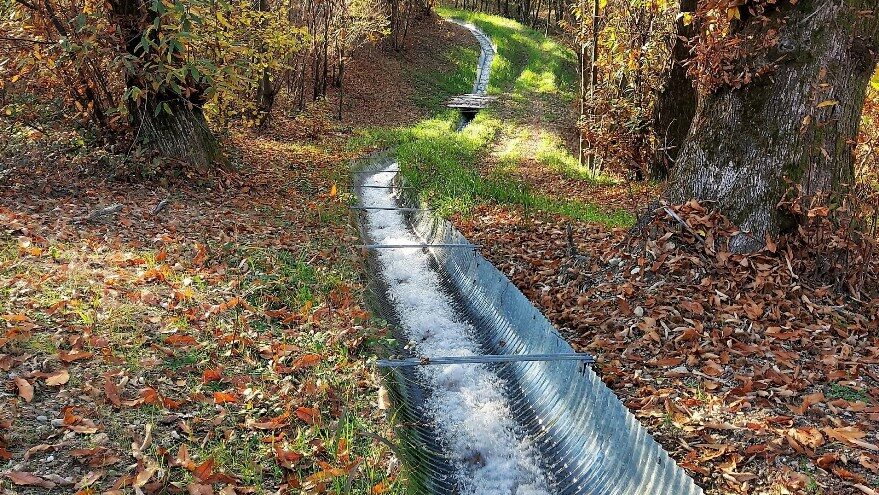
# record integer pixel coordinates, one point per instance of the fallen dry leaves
(217, 347)
(754, 376)
(29, 479)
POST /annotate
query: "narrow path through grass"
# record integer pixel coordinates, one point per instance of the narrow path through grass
(454, 172)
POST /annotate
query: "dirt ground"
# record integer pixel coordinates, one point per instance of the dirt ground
(151, 327)
(166, 330)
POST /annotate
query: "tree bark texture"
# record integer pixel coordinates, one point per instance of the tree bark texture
(676, 103)
(799, 122)
(182, 133)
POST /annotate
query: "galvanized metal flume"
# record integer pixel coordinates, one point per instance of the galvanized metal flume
(583, 438)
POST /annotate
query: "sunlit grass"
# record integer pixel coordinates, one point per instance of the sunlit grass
(552, 153)
(435, 84)
(439, 163)
(442, 165)
(527, 61)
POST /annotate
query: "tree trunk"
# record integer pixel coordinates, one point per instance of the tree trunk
(593, 75)
(341, 80)
(265, 92)
(164, 121)
(798, 123)
(182, 134)
(676, 103)
(581, 58)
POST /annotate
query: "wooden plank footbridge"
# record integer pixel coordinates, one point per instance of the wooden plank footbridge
(470, 101)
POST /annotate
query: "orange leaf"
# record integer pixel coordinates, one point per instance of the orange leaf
(73, 355)
(308, 414)
(272, 424)
(827, 460)
(380, 488)
(326, 475)
(286, 459)
(25, 389)
(666, 362)
(58, 378)
(171, 403)
(846, 474)
(224, 397)
(150, 395)
(204, 470)
(307, 361)
(112, 391)
(212, 375)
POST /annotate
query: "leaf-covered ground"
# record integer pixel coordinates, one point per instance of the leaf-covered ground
(755, 379)
(182, 332)
(168, 332)
(205, 333)
(756, 376)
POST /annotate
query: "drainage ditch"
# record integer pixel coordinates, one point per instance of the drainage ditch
(483, 74)
(479, 427)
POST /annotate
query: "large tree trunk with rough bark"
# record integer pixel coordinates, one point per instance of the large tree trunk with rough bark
(798, 123)
(169, 123)
(181, 134)
(676, 103)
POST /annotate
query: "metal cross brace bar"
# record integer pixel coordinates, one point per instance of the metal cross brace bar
(386, 187)
(400, 246)
(511, 358)
(387, 208)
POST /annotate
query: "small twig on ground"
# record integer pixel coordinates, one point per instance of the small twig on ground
(161, 206)
(101, 213)
(713, 378)
(684, 223)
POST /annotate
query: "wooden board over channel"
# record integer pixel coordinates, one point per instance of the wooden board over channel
(472, 101)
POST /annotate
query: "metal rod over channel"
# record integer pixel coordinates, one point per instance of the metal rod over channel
(386, 208)
(512, 358)
(411, 246)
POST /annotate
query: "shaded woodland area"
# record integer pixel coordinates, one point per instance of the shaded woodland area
(152, 73)
(688, 190)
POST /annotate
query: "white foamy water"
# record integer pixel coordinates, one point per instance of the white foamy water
(492, 456)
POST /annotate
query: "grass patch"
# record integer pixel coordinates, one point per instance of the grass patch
(441, 163)
(527, 62)
(437, 162)
(434, 85)
(839, 391)
(552, 153)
